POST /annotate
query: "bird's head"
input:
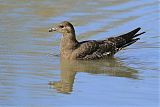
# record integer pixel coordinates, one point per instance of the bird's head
(63, 27)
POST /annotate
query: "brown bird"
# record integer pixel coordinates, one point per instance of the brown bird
(71, 49)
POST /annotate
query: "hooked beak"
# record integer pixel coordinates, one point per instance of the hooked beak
(52, 29)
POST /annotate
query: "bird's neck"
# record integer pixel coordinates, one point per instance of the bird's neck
(68, 42)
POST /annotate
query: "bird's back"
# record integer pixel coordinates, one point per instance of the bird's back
(105, 48)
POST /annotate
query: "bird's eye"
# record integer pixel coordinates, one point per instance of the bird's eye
(61, 26)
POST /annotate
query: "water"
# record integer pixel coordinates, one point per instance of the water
(32, 74)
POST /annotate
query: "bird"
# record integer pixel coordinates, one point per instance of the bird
(72, 49)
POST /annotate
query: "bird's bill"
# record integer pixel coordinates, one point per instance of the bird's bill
(52, 29)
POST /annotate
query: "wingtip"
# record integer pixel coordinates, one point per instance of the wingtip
(136, 30)
(139, 28)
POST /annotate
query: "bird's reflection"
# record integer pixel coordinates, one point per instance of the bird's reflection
(68, 68)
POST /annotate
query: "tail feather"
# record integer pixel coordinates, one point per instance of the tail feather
(128, 38)
(125, 40)
(129, 43)
(138, 34)
(130, 34)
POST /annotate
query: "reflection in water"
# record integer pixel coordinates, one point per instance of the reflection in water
(69, 69)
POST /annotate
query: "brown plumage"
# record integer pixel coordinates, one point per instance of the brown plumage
(70, 48)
